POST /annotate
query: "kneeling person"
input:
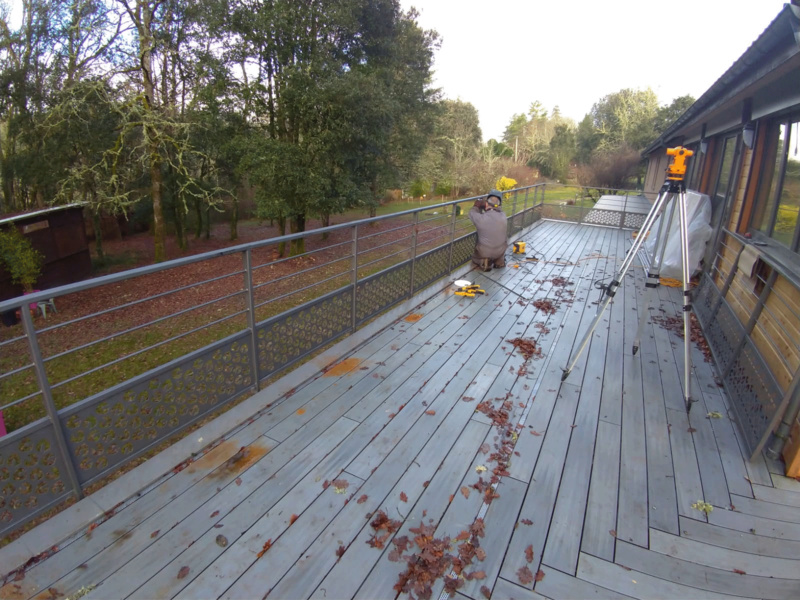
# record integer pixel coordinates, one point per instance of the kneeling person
(491, 223)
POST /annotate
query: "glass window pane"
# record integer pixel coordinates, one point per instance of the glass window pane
(725, 169)
(789, 199)
(762, 220)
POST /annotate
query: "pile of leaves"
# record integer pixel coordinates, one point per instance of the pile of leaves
(527, 347)
(545, 305)
(675, 325)
(384, 528)
(433, 560)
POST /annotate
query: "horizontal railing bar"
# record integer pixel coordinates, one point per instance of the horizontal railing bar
(138, 327)
(138, 352)
(368, 236)
(12, 340)
(284, 259)
(392, 243)
(21, 400)
(297, 291)
(136, 302)
(14, 371)
(296, 273)
(383, 258)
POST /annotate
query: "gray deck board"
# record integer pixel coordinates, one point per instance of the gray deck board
(702, 577)
(602, 468)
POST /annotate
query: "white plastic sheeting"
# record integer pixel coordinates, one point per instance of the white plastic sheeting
(698, 209)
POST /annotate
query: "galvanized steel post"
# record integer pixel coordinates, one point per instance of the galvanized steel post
(413, 251)
(47, 397)
(452, 238)
(251, 313)
(354, 273)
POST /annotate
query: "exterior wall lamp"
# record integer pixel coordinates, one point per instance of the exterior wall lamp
(749, 134)
(703, 146)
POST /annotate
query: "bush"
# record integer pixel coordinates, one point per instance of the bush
(20, 259)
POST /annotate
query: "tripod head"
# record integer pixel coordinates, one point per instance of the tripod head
(677, 167)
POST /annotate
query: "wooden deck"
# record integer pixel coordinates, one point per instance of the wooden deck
(436, 448)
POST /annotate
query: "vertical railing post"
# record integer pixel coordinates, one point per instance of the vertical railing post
(47, 397)
(751, 324)
(581, 196)
(525, 207)
(624, 212)
(251, 314)
(452, 238)
(354, 272)
(413, 252)
(514, 212)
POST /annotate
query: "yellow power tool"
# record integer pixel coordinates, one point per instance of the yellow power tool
(470, 291)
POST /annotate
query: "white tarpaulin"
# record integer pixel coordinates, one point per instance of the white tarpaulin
(698, 209)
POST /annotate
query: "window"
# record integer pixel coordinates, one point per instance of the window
(778, 202)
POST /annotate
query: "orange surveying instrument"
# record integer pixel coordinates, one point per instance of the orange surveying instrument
(674, 188)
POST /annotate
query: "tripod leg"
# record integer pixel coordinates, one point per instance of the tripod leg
(653, 274)
(611, 289)
(687, 304)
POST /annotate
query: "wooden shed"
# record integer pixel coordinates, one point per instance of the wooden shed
(60, 235)
(745, 134)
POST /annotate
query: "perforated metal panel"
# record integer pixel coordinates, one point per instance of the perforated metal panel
(32, 474)
(633, 220)
(382, 290)
(464, 248)
(431, 266)
(284, 339)
(119, 424)
(755, 396)
(609, 218)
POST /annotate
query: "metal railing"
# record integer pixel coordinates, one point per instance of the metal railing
(745, 318)
(132, 358)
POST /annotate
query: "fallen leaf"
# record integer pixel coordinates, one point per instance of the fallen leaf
(238, 481)
(535, 432)
(487, 593)
(480, 553)
(526, 522)
(703, 506)
(267, 546)
(218, 525)
(691, 430)
(362, 499)
(714, 415)
(340, 486)
(301, 411)
(183, 572)
(340, 552)
(739, 571)
(155, 533)
(529, 553)
(464, 535)
(524, 575)
(292, 519)
(430, 412)
(465, 491)
(222, 541)
(214, 514)
(539, 575)
(477, 575)
(403, 497)
(484, 448)
(613, 532)
(480, 468)
(325, 484)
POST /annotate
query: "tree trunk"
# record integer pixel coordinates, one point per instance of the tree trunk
(98, 233)
(326, 222)
(180, 227)
(297, 224)
(235, 219)
(281, 232)
(198, 209)
(159, 227)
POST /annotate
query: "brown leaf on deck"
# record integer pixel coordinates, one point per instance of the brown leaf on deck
(155, 533)
(403, 497)
(524, 575)
(480, 553)
(222, 541)
(529, 553)
(526, 522)
(691, 430)
(464, 535)
(362, 499)
(476, 575)
(613, 532)
(340, 552)
(535, 432)
(325, 484)
(539, 575)
(430, 412)
(292, 519)
(465, 491)
(214, 514)
(267, 546)
(739, 571)
(184, 571)
(487, 593)
(477, 528)
(238, 481)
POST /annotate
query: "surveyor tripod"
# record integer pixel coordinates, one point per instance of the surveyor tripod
(674, 188)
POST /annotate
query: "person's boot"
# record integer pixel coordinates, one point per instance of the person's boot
(500, 262)
(485, 266)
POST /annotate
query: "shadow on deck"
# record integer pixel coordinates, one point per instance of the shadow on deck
(437, 456)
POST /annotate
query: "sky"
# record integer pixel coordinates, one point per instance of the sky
(502, 55)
